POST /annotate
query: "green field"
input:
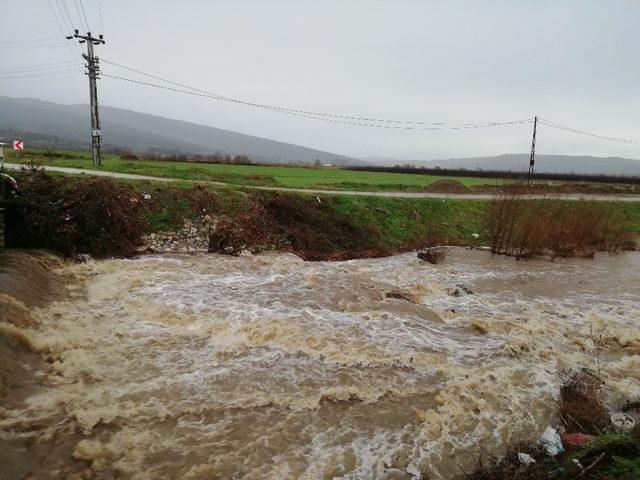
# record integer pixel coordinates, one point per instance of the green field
(268, 176)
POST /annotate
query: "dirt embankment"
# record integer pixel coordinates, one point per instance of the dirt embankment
(447, 186)
(109, 218)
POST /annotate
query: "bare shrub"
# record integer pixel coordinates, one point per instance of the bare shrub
(503, 213)
(582, 408)
(616, 233)
(567, 229)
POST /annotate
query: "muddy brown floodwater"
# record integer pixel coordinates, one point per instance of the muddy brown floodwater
(269, 367)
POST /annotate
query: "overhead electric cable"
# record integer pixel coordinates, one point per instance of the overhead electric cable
(66, 16)
(34, 47)
(589, 134)
(300, 112)
(40, 74)
(22, 42)
(35, 67)
(311, 116)
(100, 16)
(74, 53)
(48, 79)
(86, 25)
(84, 15)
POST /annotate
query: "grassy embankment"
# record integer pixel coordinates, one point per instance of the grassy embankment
(267, 176)
(106, 217)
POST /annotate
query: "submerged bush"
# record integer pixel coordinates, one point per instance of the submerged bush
(524, 228)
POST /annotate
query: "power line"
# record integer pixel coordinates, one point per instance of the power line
(34, 47)
(62, 32)
(80, 16)
(68, 15)
(100, 16)
(37, 40)
(48, 79)
(42, 66)
(84, 15)
(307, 113)
(41, 74)
(589, 134)
(325, 119)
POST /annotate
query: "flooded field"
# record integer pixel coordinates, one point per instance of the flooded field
(269, 367)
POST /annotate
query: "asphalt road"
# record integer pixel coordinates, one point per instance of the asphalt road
(455, 196)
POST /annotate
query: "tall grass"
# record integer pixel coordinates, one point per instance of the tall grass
(525, 228)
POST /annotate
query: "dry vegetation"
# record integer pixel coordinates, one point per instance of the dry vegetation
(525, 228)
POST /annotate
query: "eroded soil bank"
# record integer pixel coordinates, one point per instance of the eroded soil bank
(267, 366)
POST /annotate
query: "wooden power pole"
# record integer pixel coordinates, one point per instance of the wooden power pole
(93, 71)
(532, 158)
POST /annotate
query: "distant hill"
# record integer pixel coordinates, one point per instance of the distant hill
(520, 162)
(67, 126)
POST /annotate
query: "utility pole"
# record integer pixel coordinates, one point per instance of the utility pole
(532, 158)
(93, 67)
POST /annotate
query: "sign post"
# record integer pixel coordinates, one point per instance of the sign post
(18, 146)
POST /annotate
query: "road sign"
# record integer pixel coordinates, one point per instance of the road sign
(18, 145)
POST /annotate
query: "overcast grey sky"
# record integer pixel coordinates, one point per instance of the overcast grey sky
(575, 62)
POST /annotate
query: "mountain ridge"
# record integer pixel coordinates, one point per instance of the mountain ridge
(142, 132)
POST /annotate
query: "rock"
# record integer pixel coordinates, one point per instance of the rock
(461, 289)
(433, 255)
(398, 295)
(464, 288)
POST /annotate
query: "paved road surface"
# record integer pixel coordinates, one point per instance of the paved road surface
(458, 196)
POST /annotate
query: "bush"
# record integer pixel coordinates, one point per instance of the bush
(98, 216)
(581, 406)
(524, 228)
(311, 229)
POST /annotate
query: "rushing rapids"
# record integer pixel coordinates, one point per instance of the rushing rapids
(269, 367)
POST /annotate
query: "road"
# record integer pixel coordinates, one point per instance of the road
(453, 196)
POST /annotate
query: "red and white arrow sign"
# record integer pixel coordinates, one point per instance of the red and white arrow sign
(18, 145)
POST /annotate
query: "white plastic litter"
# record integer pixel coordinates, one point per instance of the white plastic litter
(623, 421)
(526, 458)
(550, 440)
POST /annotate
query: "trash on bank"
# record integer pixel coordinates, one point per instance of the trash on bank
(571, 441)
(623, 422)
(551, 441)
(525, 458)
